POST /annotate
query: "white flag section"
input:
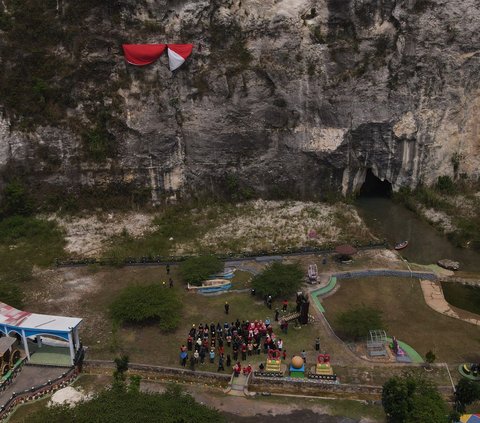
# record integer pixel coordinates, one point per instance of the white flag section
(175, 60)
(177, 54)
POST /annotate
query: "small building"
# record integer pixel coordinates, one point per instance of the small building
(24, 325)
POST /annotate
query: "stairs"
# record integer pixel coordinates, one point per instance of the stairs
(238, 386)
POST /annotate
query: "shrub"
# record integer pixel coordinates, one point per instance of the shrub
(16, 200)
(11, 294)
(147, 304)
(356, 323)
(445, 185)
(196, 269)
(118, 404)
(279, 280)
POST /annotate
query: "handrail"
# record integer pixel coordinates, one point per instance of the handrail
(172, 260)
(38, 391)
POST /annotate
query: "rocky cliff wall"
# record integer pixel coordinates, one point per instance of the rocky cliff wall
(280, 97)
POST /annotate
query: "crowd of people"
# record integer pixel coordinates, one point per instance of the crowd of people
(230, 343)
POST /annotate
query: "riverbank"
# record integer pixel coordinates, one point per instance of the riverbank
(453, 208)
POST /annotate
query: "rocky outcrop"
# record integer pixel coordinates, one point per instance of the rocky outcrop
(280, 98)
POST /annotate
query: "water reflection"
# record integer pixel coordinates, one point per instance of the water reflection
(395, 223)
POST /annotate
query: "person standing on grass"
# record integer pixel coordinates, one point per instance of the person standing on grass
(285, 305)
(192, 363)
(196, 356)
(284, 355)
(170, 282)
(212, 355)
(304, 356)
(277, 312)
(168, 269)
(229, 360)
(227, 307)
(220, 364)
(317, 344)
(244, 352)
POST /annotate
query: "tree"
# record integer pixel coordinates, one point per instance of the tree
(129, 405)
(412, 399)
(356, 323)
(196, 269)
(147, 304)
(121, 364)
(430, 357)
(466, 393)
(279, 280)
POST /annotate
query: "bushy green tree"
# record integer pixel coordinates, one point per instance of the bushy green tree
(196, 269)
(356, 323)
(279, 280)
(147, 304)
(466, 393)
(412, 399)
(129, 405)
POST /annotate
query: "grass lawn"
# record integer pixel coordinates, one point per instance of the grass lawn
(147, 344)
(462, 296)
(408, 317)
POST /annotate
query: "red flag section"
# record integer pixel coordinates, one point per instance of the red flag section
(177, 54)
(142, 54)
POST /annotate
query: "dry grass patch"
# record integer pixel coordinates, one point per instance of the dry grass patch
(408, 317)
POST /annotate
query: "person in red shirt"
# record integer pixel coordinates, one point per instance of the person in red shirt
(285, 305)
(284, 354)
(247, 370)
(237, 369)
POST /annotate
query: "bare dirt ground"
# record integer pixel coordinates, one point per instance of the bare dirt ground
(86, 236)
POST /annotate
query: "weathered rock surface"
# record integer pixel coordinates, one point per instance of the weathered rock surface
(449, 264)
(281, 97)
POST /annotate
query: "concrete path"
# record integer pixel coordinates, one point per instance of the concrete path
(30, 376)
(433, 294)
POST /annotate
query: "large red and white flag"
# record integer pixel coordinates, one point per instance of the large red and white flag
(142, 54)
(177, 54)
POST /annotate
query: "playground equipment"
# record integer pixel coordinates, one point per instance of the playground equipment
(274, 362)
(297, 367)
(211, 285)
(376, 343)
(323, 369)
(9, 354)
(470, 371)
(400, 355)
(312, 274)
(228, 273)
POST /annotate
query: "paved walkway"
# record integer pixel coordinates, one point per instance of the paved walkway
(30, 376)
(433, 294)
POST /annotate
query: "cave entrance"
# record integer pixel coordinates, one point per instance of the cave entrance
(374, 187)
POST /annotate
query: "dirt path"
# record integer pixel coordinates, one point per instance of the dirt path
(433, 294)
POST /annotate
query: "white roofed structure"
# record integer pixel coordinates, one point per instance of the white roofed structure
(27, 324)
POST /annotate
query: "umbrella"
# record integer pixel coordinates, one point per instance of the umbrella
(346, 250)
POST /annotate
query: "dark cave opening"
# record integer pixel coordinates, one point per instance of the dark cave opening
(374, 187)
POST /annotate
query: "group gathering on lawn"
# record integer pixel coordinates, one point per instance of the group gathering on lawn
(230, 343)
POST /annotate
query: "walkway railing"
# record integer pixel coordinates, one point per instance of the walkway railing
(7, 379)
(37, 392)
(164, 260)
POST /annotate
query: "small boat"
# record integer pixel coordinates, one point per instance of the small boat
(401, 245)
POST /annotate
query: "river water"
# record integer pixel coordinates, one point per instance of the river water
(395, 223)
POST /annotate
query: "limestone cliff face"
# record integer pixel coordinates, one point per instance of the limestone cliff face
(280, 97)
